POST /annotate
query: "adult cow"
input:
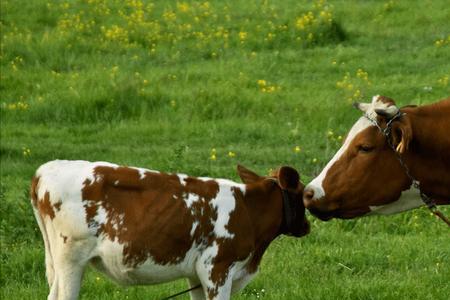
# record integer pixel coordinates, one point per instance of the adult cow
(145, 227)
(366, 176)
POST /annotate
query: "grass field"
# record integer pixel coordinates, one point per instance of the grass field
(197, 87)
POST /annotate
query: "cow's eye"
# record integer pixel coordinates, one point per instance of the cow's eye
(365, 148)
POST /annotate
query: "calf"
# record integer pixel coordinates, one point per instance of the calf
(146, 227)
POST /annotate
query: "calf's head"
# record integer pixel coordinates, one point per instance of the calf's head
(283, 191)
(365, 171)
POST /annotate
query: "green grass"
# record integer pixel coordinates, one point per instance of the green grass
(71, 90)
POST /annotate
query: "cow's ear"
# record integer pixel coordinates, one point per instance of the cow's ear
(402, 134)
(288, 178)
(247, 176)
(387, 112)
(362, 106)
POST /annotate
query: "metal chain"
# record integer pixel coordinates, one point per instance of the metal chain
(387, 133)
(415, 183)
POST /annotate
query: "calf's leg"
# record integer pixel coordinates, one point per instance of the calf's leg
(242, 282)
(216, 279)
(70, 259)
(68, 279)
(50, 273)
(198, 293)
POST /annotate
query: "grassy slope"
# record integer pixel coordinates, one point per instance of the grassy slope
(216, 103)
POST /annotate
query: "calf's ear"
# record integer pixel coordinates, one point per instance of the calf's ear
(289, 178)
(402, 134)
(247, 176)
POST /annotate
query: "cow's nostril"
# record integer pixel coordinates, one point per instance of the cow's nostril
(309, 194)
(308, 197)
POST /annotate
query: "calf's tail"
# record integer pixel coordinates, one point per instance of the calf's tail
(50, 272)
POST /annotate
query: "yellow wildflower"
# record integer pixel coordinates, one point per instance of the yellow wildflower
(116, 33)
(26, 151)
(443, 81)
(183, 7)
(262, 82)
(169, 16)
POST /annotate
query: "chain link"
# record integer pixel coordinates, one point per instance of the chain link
(415, 183)
(387, 133)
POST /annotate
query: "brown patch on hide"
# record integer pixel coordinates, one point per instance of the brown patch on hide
(45, 206)
(57, 205)
(33, 191)
(63, 237)
(149, 215)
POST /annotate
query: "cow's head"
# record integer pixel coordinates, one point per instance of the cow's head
(284, 179)
(365, 172)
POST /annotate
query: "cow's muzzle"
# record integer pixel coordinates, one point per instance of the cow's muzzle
(315, 202)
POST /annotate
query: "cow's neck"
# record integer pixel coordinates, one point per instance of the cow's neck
(264, 207)
(428, 156)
